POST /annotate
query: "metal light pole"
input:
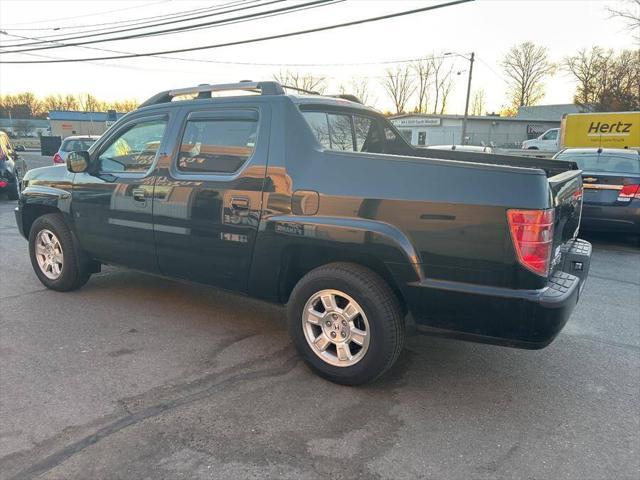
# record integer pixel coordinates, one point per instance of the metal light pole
(466, 106)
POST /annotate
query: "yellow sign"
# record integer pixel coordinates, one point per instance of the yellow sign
(606, 130)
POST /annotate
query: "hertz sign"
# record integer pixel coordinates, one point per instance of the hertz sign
(606, 130)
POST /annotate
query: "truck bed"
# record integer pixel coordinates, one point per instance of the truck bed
(550, 167)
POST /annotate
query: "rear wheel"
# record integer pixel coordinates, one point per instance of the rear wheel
(56, 259)
(346, 323)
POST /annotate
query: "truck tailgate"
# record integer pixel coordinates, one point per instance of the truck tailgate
(566, 191)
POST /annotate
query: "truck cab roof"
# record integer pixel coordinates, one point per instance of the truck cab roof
(205, 93)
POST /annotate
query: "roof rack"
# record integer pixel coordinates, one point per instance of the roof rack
(204, 91)
(347, 96)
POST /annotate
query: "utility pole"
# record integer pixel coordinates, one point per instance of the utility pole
(466, 106)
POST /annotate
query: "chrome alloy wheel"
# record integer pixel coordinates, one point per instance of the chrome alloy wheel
(49, 254)
(336, 328)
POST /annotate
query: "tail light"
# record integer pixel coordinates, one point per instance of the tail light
(628, 193)
(3, 183)
(57, 158)
(532, 236)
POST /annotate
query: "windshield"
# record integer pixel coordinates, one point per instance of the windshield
(604, 162)
(74, 145)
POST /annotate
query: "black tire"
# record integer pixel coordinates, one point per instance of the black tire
(75, 270)
(380, 305)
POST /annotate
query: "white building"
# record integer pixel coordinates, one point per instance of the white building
(508, 132)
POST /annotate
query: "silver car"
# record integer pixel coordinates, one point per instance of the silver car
(71, 144)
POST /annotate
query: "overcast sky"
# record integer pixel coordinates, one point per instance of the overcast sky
(487, 27)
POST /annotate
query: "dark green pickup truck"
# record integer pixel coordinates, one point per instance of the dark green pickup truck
(318, 203)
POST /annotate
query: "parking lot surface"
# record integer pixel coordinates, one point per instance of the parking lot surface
(136, 376)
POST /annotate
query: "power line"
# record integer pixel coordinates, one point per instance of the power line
(130, 22)
(492, 70)
(253, 40)
(93, 14)
(299, 8)
(163, 32)
(256, 64)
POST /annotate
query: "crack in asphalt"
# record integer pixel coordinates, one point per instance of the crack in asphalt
(24, 294)
(55, 459)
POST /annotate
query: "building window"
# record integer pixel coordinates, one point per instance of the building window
(407, 134)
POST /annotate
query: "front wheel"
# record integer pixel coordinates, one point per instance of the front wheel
(346, 323)
(56, 259)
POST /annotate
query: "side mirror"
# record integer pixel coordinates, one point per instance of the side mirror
(78, 161)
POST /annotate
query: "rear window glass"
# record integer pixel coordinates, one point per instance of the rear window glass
(216, 146)
(75, 145)
(604, 162)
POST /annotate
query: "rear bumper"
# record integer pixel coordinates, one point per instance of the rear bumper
(517, 318)
(611, 218)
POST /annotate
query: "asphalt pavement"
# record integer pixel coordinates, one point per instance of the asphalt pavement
(139, 377)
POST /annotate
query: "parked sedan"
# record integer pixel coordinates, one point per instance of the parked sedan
(611, 179)
(72, 144)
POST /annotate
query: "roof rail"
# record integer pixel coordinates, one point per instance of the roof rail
(347, 96)
(204, 91)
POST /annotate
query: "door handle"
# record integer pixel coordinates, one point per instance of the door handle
(139, 194)
(240, 203)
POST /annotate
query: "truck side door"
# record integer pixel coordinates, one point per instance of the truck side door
(112, 204)
(208, 198)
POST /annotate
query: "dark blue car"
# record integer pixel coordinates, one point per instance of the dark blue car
(611, 179)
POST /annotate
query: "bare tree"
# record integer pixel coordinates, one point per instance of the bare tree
(586, 66)
(89, 103)
(398, 84)
(70, 102)
(444, 86)
(424, 71)
(359, 88)
(441, 85)
(31, 105)
(478, 102)
(303, 81)
(630, 14)
(527, 65)
(606, 81)
(122, 106)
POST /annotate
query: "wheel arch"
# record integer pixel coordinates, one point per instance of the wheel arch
(36, 201)
(287, 248)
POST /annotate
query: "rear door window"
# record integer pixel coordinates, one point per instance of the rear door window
(216, 145)
(353, 132)
(319, 124)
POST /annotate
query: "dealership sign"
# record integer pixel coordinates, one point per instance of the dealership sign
(534, 130)
(416, 122)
